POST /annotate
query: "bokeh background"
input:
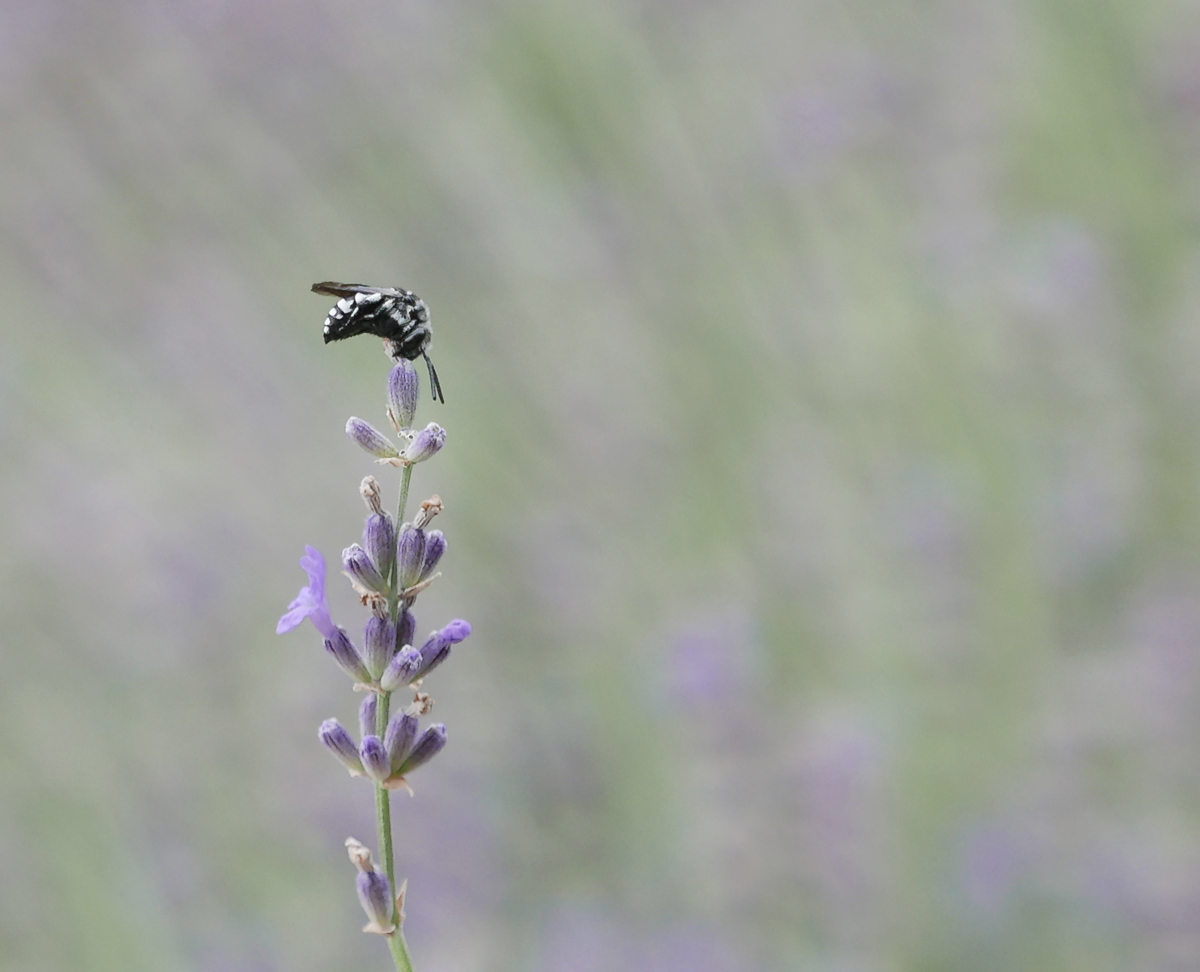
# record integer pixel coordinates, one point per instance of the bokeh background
(822, 481)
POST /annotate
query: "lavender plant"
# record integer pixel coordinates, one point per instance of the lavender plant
(391, 566)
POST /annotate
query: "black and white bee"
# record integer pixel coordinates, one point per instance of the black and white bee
(398, 316)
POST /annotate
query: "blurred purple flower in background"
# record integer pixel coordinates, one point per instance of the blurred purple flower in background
(991, 859)
(710, 659)
(579, 939)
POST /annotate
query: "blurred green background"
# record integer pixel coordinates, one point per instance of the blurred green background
(822, 480)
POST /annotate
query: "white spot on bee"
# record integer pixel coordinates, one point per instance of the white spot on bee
(345, 305)
(360, 298)
(371, 298)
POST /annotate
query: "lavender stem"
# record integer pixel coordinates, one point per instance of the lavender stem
(383, 811)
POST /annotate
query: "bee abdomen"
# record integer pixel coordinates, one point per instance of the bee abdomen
(385, 317)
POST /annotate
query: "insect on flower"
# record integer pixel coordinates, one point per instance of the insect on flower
(398, 316)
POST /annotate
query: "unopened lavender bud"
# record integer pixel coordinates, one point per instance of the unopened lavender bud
(435, 546)
(374, 758)
(425, 443)
(379, 540)
(346, 655)
(406, 629)
(338, 741)
(399, 738)
(429, 745)
(371, 494)
(375, 896)
(404, 388)
(402, 669)
(371, 439)
(433, 653)
(437, 647)
(358, 565)
(366, 714)
(380, 645)
(410, 556)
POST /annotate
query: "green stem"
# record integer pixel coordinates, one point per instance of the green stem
(399, 949)
(382, 796)
(383, 811)
(405, 478)
(394, 579)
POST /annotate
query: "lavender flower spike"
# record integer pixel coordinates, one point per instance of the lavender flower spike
(362, 571)
(425, 444)
(338, 741)
(310, 602)
(404, 388)
(371, 439)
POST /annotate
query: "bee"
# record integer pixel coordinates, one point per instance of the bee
(398, 316)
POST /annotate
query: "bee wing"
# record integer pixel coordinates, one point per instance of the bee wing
(349, 290)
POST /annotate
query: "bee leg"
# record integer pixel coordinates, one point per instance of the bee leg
(435, 386)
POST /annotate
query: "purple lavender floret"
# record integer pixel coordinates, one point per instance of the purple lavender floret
(437, 648)
(379, 540)
(406, 629)
(435, 546)
(337, 740)
(375, 896)
(359, 566)
(429, 745)
(366, 714)
(456, 631)
(401, 670)
(404, 388)
(310, 602)
(436, 653)
(410, 555)
(346, 655)
(370, 439)
(380, 644)
(375, 758)
(399, 738)
(426, 443)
